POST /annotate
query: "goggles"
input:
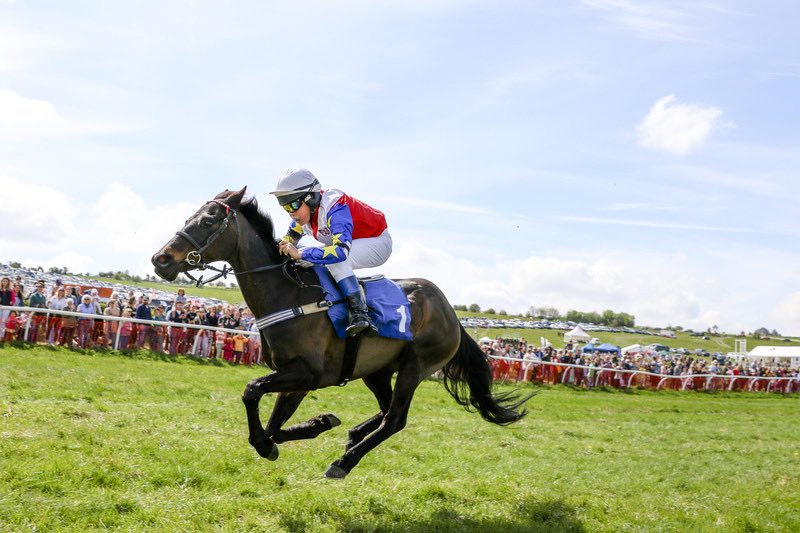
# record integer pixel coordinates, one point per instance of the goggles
(293, 206)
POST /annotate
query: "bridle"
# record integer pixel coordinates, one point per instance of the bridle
(195, 258)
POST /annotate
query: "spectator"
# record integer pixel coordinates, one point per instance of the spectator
(176, 316)
(254, 345)
(38, 300)
(6, 298)
(97, 331)
(211, 316)
(239, 343)
(68, 324)
(143, 312)
(125, 330)
(181, 296)
(227, 348)
(529, 361)
(157, 337)
(98, 309)
(85, 325)
(19, 298)
(202, 343)
(110, 327)
(57, 302)
(219, 343)
(228, 321)
(74, 294)
(12, 325)
(57, 285)
(189, 333)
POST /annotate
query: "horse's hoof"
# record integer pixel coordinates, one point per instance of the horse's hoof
(269, 453)
(335, 472)
(332, 419)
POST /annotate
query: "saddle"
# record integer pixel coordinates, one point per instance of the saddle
(387, 304)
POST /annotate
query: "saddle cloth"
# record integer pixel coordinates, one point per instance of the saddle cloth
(387, 303)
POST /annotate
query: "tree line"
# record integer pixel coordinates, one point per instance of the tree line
(606, 318)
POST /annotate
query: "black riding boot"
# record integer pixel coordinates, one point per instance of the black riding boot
(359, 319)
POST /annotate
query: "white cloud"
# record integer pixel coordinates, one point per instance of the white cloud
(786, 315)
(35, 217)
(117, 230)
(677, 128)
(17, 110)
(646, 19)
(130, 225)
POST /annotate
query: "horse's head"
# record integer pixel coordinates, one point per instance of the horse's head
(206, 237)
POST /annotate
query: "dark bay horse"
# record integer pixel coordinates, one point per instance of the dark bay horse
(306, 354)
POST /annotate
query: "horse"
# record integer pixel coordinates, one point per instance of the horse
(305, 352)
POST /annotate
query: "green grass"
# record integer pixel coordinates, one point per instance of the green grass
(137, 442)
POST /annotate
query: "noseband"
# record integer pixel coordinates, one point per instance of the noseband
(195, 257)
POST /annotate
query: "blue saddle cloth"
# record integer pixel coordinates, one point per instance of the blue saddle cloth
(388, 306)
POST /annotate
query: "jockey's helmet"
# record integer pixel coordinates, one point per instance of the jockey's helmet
(297, 184)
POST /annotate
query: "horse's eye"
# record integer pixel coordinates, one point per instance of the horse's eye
(208, 223)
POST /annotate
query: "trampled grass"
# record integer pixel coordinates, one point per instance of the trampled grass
(94, 441)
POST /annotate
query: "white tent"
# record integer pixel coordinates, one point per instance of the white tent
(772, 355)
(485, 340)
(577, 334)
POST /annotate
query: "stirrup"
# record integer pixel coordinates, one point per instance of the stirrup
(359, 325)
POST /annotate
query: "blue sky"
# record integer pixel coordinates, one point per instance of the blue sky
(591, 155)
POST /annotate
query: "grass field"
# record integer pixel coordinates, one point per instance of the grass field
(102, 441)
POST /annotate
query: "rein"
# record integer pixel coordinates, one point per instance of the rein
(195, 257)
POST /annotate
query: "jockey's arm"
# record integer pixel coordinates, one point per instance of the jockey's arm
(294, 234)
(340, 224)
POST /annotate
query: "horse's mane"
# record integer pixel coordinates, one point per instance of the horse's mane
(261, 222)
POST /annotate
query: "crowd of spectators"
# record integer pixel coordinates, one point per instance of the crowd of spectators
(520, 361)
(237, 346)
(510, 361)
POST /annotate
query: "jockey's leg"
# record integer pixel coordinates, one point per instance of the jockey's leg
(364, 253)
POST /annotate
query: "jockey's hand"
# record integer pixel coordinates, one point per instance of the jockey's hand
(287, 248)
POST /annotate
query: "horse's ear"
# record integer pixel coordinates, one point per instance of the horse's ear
(235, 198)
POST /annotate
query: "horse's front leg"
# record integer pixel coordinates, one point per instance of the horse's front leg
(295, 376)
(286, 404)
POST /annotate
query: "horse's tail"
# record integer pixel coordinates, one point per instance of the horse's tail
(468, 379)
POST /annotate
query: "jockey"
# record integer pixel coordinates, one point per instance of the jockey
(353, 234)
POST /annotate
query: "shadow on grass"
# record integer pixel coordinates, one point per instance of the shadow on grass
(532, 516)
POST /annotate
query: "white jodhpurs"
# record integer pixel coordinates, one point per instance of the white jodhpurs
(364, 253)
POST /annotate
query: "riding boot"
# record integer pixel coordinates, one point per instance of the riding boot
(357, 304)
(359, 318)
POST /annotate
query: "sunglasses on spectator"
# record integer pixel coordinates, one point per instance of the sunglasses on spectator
(291, 207)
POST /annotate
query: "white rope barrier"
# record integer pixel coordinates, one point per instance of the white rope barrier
(47, 313)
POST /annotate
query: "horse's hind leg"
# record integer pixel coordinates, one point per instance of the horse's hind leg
(380, 383)
(407, 381)
(286, 404)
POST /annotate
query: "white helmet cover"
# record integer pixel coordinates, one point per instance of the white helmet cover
(294, 183)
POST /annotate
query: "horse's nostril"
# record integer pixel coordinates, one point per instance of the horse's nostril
(163, 260)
